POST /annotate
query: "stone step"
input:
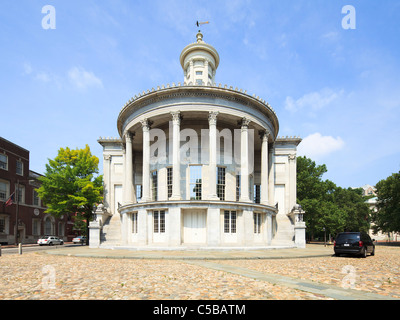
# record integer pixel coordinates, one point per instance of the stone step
(111, 233)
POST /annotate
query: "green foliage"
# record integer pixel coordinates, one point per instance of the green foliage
(326, 205)
(387, 218)
(70, 186)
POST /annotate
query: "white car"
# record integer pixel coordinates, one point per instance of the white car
(50, 241)
(79, 239)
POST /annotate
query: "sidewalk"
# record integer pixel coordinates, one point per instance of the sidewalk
(193, 254)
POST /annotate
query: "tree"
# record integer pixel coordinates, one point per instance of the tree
(328, 206)
(387, 217)
(70, 186)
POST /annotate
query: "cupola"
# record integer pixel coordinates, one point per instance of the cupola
(199, 62)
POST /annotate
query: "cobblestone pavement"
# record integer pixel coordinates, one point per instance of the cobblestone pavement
(378, 274)
(42, 276)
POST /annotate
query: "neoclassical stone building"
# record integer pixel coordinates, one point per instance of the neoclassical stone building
(198, 165)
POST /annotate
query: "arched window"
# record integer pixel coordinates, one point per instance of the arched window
(48, 226)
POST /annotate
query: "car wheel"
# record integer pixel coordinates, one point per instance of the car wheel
(364, 254)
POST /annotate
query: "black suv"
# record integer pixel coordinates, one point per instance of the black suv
(357, 243)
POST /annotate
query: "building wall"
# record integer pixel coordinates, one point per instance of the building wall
(31, 216)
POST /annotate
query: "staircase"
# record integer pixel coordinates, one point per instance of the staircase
(111, 233)
(284, 235)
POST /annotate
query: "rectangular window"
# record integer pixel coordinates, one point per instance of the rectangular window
(139, 192)
(135, 222)
(199, 73)
(257, 222)
(159, 221)
(237, 187)
(21, 194)
(2, 225)
(154, 185)
(199, 82)
(3, 162)
(35, 198)
(229, 221)
(195, 183)
(20, 168)
(169, 181)
(36, 227)
(257, 193)
(221, 183)
(4, 186)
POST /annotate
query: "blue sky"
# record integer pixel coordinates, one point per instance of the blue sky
(338, 89)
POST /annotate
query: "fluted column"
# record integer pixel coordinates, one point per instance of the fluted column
(212, 167)
(129, 190)
(264, 167)
(176, 166)
(146, 161)
(244, 161)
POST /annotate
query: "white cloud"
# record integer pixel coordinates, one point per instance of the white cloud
(313, 101)
(42, 76)
(316, 146)
(83, 79)
(27, 68)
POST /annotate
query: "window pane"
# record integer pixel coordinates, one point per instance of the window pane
(226, 222)
(134, 222)
(3, 161)
(195, 183)
(162, 221)
(233, 221)
(169, 181)
(221, 183)
(154, 185)
(19, 168)
(155, 218)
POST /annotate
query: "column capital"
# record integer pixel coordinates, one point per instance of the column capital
(264, 134)
(176, 117)
(244, 123)
(129, 136)
(212, 117)
(146, 123)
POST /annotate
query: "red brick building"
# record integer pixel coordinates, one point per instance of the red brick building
(18, 184)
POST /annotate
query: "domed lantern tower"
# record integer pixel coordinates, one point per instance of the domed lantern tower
(197, 164)
(199, 62)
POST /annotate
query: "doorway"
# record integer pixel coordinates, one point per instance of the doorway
(194, 226)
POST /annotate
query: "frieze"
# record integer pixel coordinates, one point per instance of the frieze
(191, 91)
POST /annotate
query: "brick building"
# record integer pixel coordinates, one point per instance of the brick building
(18, 184)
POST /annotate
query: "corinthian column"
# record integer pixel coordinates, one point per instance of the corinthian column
(146, 161)
(129, 193)
(212, 167)
(244, 161)
(176, 166)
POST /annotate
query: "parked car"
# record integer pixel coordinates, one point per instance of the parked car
(79, 239)
(354, 243)
(50, 241)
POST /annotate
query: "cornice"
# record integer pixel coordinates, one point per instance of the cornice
(175, 91)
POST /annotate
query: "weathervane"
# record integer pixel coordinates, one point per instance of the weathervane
(198, 24)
